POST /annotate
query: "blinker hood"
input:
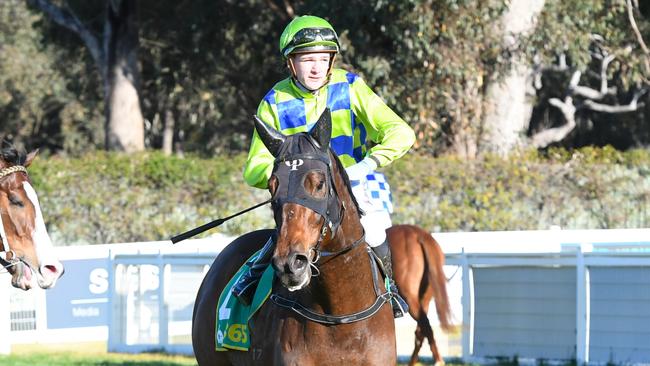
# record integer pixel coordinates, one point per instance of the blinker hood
(295, 156)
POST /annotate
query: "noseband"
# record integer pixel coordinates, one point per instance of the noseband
(10, 258)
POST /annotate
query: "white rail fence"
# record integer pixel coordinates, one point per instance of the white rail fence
(551, 295)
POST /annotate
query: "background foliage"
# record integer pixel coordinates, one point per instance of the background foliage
(206, 65)
(581, 34)
(109, 197)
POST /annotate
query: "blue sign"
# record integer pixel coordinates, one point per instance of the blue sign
(80, 297)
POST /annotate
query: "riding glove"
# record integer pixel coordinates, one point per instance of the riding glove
(358, 171)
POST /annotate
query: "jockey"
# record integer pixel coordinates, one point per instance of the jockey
(309, 46)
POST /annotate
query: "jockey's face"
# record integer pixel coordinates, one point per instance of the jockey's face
(311, 69)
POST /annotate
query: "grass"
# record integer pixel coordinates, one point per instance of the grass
(86, 354)
(94, 353)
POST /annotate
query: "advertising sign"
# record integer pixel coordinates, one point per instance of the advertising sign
(80, 297)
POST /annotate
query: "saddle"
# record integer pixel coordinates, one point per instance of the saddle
(232, 332)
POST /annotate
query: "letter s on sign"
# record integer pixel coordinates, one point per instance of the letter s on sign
(98, 281)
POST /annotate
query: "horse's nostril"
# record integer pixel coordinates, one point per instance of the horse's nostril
(299, 263)
(49, 268)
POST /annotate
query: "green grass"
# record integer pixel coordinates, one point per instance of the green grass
(94, 354)
(86, 354)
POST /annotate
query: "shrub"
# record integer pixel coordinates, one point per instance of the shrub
(111, 197)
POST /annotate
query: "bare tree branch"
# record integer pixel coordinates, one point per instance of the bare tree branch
(639, 38)
(277, 9)
(606, 108)
(592, 93)
(547, 137)
(289, 9)
(66, 18)
(286, 14)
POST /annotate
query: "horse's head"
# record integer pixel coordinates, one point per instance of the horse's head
(25, 246)
(308, 186)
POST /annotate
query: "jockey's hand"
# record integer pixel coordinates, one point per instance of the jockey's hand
(357, 172)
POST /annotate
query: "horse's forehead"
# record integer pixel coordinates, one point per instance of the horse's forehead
(14, 183)
(20, 188)
(299, 143)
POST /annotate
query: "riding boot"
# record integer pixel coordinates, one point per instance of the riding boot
(245, 287)
(399, 305)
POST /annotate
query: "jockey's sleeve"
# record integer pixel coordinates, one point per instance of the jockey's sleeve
(259, 164)
(393, 136)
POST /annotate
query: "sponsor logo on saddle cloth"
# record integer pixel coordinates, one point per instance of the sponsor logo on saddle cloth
(379, 192)
(232, 317)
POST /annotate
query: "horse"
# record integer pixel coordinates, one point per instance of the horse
(418, 264)
(328, 305)
(26, 249)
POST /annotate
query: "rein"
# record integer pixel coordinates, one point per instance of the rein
(319, 254)
(382, 298)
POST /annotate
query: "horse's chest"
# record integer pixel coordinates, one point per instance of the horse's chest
(294, 342)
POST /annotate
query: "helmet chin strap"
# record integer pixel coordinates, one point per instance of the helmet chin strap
(294, 76)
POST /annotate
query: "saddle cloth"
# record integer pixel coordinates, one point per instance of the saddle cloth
(232, 317)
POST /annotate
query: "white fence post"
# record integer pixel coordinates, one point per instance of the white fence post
(468, 308)
(163, 317)
(582, 308)
(5, 316)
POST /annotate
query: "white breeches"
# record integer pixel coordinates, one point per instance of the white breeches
(376, 219)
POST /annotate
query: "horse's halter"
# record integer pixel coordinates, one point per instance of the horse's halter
(10, 259)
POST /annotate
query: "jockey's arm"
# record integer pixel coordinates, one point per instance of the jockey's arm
(259, 164)
(394, 137)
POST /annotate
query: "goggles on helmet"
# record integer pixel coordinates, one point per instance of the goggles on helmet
(313, 36)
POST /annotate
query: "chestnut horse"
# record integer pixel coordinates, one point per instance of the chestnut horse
(329, 306)
(418, 271)
(25, 247)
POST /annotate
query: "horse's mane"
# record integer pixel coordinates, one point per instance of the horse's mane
(11, 155)
(346, 180)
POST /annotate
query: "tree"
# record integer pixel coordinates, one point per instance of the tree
(509, 103)
(36, 109)
(116, 60)
(593, 75)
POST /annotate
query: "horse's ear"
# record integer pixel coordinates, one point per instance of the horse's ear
(322, 130)
(30, 157)
(271, 137)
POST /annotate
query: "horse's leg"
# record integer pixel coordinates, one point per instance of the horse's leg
(419, 338)
(428, 332)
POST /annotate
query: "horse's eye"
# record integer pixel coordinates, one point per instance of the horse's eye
(14, 200)
(315, 184)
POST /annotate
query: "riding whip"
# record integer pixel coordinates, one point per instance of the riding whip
(212, 224)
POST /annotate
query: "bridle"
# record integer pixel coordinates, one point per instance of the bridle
(332, 210)
(10, 258)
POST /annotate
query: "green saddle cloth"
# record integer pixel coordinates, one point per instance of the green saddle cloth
(232, 317)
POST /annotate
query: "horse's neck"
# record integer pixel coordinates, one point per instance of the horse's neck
(345, 283)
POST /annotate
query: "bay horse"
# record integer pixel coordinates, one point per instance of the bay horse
(418, 264)
(26, 250)
(326, 306)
